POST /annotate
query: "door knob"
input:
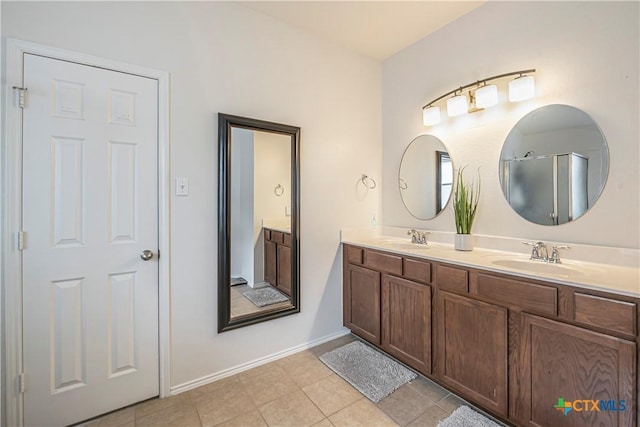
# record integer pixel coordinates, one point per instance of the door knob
(146, 255)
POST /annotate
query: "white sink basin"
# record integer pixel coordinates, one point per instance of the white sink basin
(405, 245)
(539, 267)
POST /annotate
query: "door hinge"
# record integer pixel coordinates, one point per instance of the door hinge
(158, 253)
(21, 95)
(22, 382)
(21, 240)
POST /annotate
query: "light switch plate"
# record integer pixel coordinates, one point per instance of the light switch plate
(182, 186)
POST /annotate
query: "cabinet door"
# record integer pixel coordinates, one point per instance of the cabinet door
(472, 350)
(406, 322)
(560, 361)
(284, 269)
(270, 265)
(362, 302)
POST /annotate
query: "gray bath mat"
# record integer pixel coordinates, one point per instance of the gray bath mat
(265, 296)
(371, 372)
(235, 281)
(467, 417)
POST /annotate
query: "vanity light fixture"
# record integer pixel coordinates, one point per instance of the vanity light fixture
(479, 95)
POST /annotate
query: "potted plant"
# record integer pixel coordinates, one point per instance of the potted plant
(465, 205)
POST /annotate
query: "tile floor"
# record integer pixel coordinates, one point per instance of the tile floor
(298, 390)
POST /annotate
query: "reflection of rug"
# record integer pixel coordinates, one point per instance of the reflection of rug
(235, 281)
(265, 296)
(371, 372)
(467, 417)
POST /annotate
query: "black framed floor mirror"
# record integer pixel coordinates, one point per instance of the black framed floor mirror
(258, 221)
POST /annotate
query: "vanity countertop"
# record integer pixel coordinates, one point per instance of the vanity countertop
(621, 280)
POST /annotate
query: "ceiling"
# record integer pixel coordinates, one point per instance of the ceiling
(377, 29)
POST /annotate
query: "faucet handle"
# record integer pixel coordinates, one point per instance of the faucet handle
(410, 232)
(555, 255)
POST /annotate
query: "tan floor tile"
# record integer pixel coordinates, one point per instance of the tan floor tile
(362, 413)
(429, 389)
(431, 417)
(154, 405)
(323, 423)
(258, 370)
(269, 386)
(232, 381)
(180, 415)
(323, 348)
(115, 419)
(331, 394)
(250, 419)
(450, 403)
(223, 404)
(306, 370)
(294, 409)
(404, 405)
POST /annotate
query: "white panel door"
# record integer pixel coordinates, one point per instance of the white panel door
(90, 302)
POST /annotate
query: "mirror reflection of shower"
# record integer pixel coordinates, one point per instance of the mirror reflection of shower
(553, 165)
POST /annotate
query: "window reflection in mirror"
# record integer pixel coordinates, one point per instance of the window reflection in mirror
(425, 177)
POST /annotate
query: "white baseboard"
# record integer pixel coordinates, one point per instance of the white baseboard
(190, 385)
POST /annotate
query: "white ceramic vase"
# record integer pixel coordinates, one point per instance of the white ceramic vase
(463, 242)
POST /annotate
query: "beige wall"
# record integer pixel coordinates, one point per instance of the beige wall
(586, 54)
(223, 57)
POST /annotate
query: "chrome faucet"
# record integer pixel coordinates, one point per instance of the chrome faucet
(419, 237)
(539, 252)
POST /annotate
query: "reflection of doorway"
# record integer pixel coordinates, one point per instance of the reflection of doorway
(444, 179)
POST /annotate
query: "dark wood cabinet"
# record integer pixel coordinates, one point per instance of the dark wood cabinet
(472, 349)
(284, 269)
(560, 361)
(406, 322)
(270, 262)
(362, 302)
(277, 260)
(512, 346)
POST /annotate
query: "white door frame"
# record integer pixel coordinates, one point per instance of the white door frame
(11, 187)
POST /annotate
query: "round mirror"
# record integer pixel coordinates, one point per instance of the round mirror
(425, 177)
(554, 164)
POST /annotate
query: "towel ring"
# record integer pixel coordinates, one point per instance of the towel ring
(368, 182)
(278, 191)
(402, 184)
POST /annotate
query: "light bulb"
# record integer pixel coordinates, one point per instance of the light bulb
(431, 116)
(486, 96)
(457, 105)
(522, 88)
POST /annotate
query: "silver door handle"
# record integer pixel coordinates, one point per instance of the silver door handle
(146, 255)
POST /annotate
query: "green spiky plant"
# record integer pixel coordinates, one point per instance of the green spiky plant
(465, 203)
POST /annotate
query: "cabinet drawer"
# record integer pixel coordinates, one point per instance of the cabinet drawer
(383, 262)
(277, 236)
(267, 234)
(452, 279)
(417, 270)
(354, 255)
(286, 239)
(605, 313)
(528, 296)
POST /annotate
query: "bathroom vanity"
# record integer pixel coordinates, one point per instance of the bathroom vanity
(277, 259)
(507, 342)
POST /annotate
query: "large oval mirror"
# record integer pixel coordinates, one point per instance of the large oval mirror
(554, 164)
(258, 221)
(425, 177)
